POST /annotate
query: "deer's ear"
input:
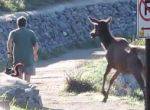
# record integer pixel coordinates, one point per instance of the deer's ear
(109, 19)
(93, 20)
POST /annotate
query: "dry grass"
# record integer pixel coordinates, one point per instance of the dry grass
(78, 86)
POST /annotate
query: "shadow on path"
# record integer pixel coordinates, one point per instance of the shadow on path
(74, 55)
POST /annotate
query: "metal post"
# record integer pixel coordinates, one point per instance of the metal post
(147, 100)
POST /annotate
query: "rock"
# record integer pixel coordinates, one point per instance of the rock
(19, 92)
(125, 84)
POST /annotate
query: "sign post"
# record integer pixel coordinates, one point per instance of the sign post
(147, 100)
(143, 30)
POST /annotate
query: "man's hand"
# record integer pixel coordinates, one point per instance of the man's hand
(35, 51)
(10, 56)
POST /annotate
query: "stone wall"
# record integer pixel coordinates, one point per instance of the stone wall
(71, 26)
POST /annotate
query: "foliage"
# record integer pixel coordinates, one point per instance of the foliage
(19, 5)
(12, 106)
(93, 72)
(12, 5)
(140, 42)
(138, 95)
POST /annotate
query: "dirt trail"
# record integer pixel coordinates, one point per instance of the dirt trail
(50, 80)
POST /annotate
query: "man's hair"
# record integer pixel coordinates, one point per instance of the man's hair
(21, 21)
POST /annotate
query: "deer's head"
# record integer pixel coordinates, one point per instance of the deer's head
(100, 26)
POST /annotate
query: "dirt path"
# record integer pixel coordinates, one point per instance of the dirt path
(50, 80)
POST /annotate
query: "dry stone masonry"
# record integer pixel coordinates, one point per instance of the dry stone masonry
(71, 26)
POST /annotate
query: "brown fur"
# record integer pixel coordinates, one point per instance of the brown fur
(18, 69)
(120, 55)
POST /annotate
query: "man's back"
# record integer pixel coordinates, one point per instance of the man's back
(24, 40)
(22, 44)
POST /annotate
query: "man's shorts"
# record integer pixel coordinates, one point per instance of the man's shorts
(29, 70)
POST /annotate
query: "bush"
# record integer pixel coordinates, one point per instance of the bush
(19, 5)
(78, 86)
(12, 5)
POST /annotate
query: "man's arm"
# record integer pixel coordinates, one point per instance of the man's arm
(35, 51)
(10, 46)
(35, 45)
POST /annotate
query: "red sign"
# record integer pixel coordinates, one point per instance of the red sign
(144, 4)
(143, 18)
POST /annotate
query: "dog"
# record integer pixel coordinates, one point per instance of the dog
(16, 70)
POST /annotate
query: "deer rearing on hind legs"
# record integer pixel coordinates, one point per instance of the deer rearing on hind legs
(120, 56)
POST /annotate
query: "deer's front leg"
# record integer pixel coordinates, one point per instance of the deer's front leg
(108, 68)
(110, 84)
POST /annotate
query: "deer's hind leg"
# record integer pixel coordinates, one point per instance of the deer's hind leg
(140, 81)
(108, 69)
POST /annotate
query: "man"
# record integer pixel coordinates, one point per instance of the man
(22, 47)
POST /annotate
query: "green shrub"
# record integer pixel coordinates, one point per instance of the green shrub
(12, 5)
(19, 5)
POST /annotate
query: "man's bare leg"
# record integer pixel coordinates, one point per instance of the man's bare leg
(27, 77)
(20, 75)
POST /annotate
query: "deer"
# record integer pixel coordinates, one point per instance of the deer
(120, 55)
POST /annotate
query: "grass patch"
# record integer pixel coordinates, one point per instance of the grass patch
(91, 73)
(137, 95)
(140, 42)
(132, 101)
(5, 103)
(17, 108)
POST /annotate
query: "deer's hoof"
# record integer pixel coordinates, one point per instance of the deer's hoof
(105, 100)
(104, 93)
